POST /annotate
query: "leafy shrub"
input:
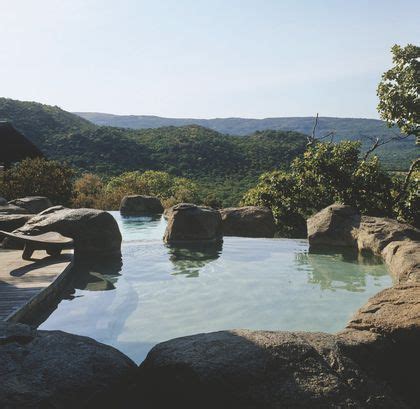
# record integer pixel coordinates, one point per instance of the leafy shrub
(325, 174)
(38, 177)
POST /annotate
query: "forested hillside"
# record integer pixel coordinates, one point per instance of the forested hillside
(224, 165)
(395, 155)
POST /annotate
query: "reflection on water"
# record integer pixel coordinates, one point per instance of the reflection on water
(326, 268)
(189, 259)
(96, 275)
(162, 292)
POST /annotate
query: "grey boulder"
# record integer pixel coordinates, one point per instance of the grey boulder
(54, 369)
(134, 205)
(260, 369)
(189, 223)
(33, 204)
(95, 232)
(248, 221)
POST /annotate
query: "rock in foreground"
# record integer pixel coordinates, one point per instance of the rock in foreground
(248, 221)
(53, 369)
(95, 232)
(260, 369)
(33, 204)
(137, 205)
(189, 223)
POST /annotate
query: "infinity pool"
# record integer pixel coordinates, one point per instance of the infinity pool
(163, 292)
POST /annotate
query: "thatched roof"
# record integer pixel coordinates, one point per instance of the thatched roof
(14, 146)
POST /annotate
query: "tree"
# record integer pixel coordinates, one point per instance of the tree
(39, 177)
(399, 98)
(88, 191)
(326, 173)
(399, 90)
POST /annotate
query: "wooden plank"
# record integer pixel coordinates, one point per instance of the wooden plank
(21, 280)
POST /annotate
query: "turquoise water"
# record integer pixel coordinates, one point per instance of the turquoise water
(163, 292)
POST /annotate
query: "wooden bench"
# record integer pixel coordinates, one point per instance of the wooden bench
(52, 242)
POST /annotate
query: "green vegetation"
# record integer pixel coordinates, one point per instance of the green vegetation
(38, 177)
(399, 90)
(325, 174)
(329, 173)
(395, 156)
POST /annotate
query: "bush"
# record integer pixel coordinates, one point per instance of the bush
(38, 177)
(88, 191)
(325, 174)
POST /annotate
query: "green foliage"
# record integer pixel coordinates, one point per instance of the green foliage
(395, 155)
(38, 177)
(399, 90)
(325, 174)
(88, 192)
(168, 188)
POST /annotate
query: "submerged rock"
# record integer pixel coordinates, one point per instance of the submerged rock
(260, 369)
(134, 205)
(95, 232)
(33, 204)
(248, 221)
(54, 369)
(188, 223)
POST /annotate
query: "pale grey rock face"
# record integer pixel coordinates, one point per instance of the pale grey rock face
(190, 223)
(248, 221)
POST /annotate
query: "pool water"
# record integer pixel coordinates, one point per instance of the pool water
(163, 292)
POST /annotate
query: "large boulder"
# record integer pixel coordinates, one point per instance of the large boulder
(10, 222)
(33, 204)
(53, 369)
(259, 369)
(3, 201)
(135, 205)
(95, 232)
(189, 223)
(333, 226)
(248, 221)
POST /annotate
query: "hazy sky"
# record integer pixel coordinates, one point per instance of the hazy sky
(196, 58)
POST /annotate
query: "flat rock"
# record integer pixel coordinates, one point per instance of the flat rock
(248, 221)
(10, 222)
(33, 204)
(12, 209)
(259, 369)
(53, 369)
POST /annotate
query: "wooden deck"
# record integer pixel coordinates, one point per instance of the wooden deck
(22, 281)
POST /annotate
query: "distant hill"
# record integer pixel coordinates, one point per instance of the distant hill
(232, 163)
(40, 122)
(14, 147)
(396, 155)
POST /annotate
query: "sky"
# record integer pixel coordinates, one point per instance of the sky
(203, 59)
